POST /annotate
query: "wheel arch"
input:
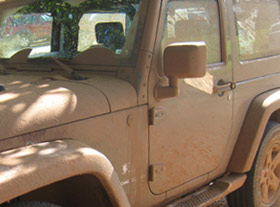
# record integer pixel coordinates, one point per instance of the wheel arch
(26, 170)
(80, 190)
(263, 108)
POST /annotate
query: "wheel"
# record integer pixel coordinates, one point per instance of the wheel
(25, 39)
(262, 187)
(31, 204)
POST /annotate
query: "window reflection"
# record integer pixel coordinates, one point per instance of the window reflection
(102, 29)
(194, 20)
(258, 25)
(66, 28)
(21, 31)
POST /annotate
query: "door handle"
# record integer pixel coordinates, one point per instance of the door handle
(223, 87)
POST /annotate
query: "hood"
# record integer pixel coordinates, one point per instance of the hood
(32, 103)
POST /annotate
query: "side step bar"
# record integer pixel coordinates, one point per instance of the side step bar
(219, 189)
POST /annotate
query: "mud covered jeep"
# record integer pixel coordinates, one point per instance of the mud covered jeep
(98, 120)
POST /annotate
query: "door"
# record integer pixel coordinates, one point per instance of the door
(192, 130)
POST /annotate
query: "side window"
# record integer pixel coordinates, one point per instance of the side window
(45, 18)
(34, 20)
(194, 20)
(258, 28)
(103, 29)
(31, 20)
(111, 35)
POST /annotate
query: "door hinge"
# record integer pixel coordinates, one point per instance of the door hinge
(156, 170)
(156, 115)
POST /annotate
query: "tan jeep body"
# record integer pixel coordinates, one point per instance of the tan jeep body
(121, 137)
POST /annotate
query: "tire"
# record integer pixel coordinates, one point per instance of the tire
(25, 39)
(31, 204)
(262, 187)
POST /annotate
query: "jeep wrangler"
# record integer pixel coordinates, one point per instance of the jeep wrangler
(141, 103)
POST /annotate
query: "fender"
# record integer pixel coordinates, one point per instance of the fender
(28, 168)
(252, 131)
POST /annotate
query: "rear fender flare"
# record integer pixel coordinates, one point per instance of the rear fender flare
(259, 112)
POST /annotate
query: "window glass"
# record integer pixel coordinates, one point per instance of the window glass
(65, 28)
(45, 18)
(194, 20)
(20, 31)
(102, 29)
(258, 27)
(33, 20)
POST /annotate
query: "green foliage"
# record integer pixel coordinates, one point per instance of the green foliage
(60, 7)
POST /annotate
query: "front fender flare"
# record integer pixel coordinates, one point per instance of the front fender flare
(28, 168)
(252, 131)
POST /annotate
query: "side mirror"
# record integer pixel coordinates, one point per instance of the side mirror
(182, 60)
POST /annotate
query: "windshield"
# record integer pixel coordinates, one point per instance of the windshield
(63, 29)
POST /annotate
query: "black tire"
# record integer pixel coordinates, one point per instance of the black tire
(262, 187)
(31, 204)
